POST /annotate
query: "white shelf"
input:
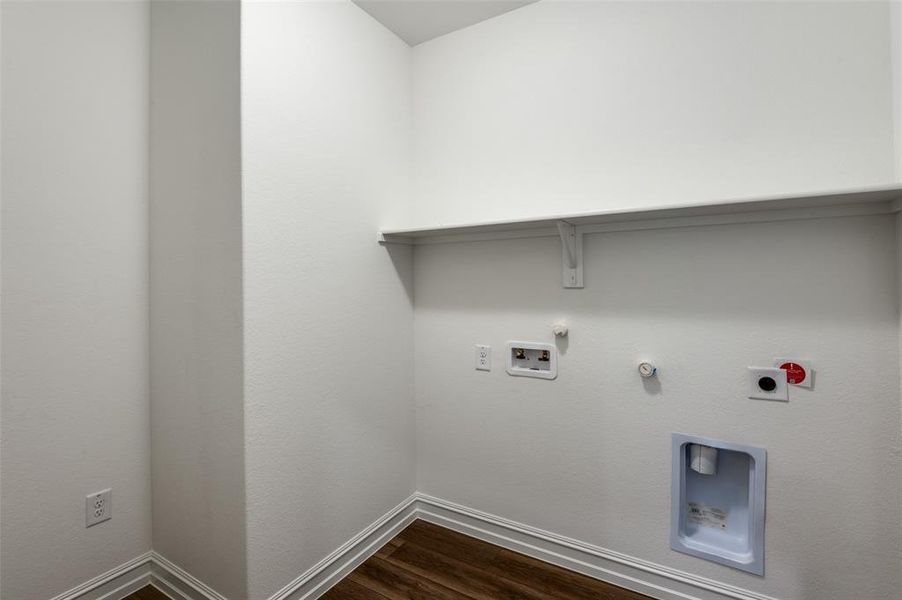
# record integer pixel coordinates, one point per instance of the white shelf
(571, 227)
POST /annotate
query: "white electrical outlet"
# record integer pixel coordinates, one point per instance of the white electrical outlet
(483, 358)
(98, 507)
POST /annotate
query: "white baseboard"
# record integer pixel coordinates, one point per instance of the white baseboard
(115, 584)
(148, 569)
(329, 571)
(177, 583)
(651, 579)
(619, 569)
(181, 585)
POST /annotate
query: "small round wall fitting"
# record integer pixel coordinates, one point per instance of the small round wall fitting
(768, 384)
(646, 370)
(559, 329)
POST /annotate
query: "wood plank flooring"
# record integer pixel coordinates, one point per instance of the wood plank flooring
(147, 593)
(428, 562)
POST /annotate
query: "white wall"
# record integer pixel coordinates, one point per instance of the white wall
(196, 385)
(74, 278)
(896, 33)
(588, 455)
(896, 45)
(329, 413)
(566, 106)
(530, 113)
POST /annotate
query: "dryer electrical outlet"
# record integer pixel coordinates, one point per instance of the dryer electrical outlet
(766, 383)
(531, 359)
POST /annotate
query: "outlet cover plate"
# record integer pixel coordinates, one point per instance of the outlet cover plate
(98, 507)
(780, 391)
(483, 357)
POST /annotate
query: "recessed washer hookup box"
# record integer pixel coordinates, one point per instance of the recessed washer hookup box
(717, 507)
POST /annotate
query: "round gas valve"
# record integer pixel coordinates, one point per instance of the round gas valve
(646, 370)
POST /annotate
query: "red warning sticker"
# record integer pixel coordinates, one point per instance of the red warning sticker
(795, 373)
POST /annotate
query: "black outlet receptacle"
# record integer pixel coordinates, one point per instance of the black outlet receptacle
(768, 384)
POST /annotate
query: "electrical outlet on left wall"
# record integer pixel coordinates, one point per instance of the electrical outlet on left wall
(98, 507)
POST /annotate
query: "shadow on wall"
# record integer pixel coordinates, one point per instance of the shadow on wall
(402, 259)
(809, 270)
(702, 303)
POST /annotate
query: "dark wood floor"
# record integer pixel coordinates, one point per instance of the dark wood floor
(428, 562)
(147, 593)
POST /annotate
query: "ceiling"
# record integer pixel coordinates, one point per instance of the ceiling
(417, 21)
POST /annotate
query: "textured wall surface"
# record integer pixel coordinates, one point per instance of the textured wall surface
(563, 107)
(588, 455)
(74, 279)
(329, 409)
(569, 106)
(896, 45)
(282, 355)
(196, 366)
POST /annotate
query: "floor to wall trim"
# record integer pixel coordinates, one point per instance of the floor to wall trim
(318, 579)
(177, 583)
(115, 583)
(619, 569)
(651, 579)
